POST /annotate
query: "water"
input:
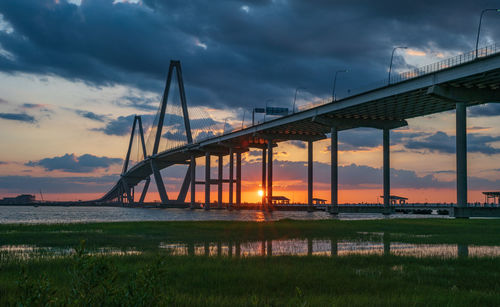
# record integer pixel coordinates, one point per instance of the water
(47, 215)
(326, 247)
(274, 248)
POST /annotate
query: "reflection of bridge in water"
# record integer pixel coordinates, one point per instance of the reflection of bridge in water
(374, 244)
(455, 83)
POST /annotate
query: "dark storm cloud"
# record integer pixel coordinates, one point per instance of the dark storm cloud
(368, 138)
(360, 139)
(32, 106)
(350, 176)
(123, 125)
(27, 184)
(3, 101)
(177, 135)
(91, 115)
(443, 143)
(491, 109)
(22, 117)
(203, 135)
(299, 144)
(234, 53)
(139, 102)
(75, 164)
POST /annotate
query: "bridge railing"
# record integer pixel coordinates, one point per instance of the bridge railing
(414, 73)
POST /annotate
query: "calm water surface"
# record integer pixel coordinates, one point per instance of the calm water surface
(46, 215)
(274, 248)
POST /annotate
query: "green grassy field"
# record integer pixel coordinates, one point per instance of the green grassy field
(154, 277)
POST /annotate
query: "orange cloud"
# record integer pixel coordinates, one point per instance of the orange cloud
(414, 52)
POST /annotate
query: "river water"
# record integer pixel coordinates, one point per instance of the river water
(47, 215)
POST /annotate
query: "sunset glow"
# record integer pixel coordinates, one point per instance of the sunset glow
(65, 118)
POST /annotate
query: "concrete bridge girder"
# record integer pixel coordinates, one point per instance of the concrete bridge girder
(467, 95)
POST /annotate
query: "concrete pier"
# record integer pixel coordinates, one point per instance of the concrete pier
(231, 177)
(207, 181)
(269, 174)
(387, 174)
(310, 174)
(461, 144)
(334, 171)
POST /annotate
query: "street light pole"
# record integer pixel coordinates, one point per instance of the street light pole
(265, 113)
(335, 82)
(243, 120)
(479, 26)
(390, 65)
(295, 98)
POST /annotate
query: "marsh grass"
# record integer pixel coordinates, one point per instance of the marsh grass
(153, 277)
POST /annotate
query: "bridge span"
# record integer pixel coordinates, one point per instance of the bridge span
(456, 83)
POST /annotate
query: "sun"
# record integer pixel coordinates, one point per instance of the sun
(260, 192)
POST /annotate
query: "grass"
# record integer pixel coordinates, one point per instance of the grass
(156, 278)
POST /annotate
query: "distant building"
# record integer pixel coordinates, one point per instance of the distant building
(492, 195)
(318, 201)
(280, 200)
(394, 200)
(19, 200)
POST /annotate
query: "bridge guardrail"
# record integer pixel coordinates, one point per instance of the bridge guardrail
(415, 73)
(407, 75)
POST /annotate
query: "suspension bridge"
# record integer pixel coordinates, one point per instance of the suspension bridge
(456, 83)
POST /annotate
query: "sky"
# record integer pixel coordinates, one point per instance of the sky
(74, 73)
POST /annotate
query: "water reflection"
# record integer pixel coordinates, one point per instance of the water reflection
(328, 247)
(49, 215)
(26, 252)
(266, 248)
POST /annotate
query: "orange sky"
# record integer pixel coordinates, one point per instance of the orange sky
(295, 196)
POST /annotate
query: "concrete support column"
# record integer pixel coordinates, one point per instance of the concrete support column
(269, 173)
(238, 249)
(386, 167)
(334, 209)
(334, 247)
(193, 181)
(264, 176)
(463, 250)
(231, 175)
(238, 178)
(207, 249)
(309, 175)
(219, 180)
(461, 155)
(191, 249)
(309, 247)
(207, 181)
(387, 244)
